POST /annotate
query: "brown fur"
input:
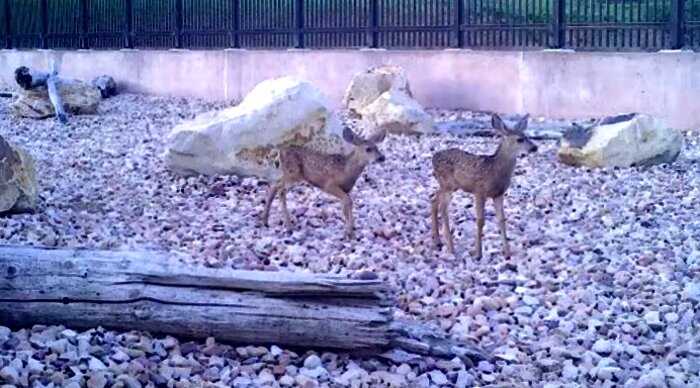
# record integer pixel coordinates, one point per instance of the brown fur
(334, 174)
(485, 176)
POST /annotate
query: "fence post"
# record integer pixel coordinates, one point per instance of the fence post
(129, 25)
(374, 23)
(559, 23)
(44, 11)
(8, 26)
(235, 36)
(178, 24)
(300, 24)
(84, 24)
(459, 20)
(677, 24)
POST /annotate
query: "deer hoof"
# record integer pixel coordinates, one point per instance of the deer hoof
(476, 255)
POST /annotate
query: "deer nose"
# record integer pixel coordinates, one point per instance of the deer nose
(533, 148)
(381, 159)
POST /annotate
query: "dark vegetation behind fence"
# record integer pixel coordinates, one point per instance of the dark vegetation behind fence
(621, 25)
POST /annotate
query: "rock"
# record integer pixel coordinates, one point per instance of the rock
(244, 140)
(311, 362)
(106, 85)
(9, 375)
(95, 364)
(486, 366)
(691, 292)
(34, 366)
(653, 319)
(530, 300)
(464, 379)
(389, 379)
(607, 372)
(437, 377)
(96, 380)
(602, 347)
(652, 379)
(306, 382)
(78, 97)
(286, 381)
(621, 141)
(397, 113)
(368, 85)
(129, 381)
(18, 182)
(570, 372)
(4, 331)
(276, 351)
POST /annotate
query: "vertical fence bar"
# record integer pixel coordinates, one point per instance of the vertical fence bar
(459, 20)
(8, 26)
(300, 23)
(84, 24)
(129, 25)
(677, 21)
(44, 11)
(374, 23)
(558, 23)
(178, 23)
(235, 34)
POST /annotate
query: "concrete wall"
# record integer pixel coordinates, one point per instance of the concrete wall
(557, 84)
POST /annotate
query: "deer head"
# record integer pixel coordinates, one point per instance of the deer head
(366, 150)
(514, 138)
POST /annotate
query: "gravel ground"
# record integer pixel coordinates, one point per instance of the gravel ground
(602, 290)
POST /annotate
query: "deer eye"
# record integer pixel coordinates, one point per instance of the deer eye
(521, 140)
(368, 149)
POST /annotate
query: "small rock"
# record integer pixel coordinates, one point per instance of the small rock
(96, 365)
(602, 347)
(4, 334)
(653, 379)
(437, 377)
(530, 300)
(464, 379)
(570, 372)
(9, 375)
(286, 381)
(486, 366)
(96, 380)
(312, 362)
(276, 351)
(653, 319)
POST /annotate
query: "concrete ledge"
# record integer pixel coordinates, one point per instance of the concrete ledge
(554, 83)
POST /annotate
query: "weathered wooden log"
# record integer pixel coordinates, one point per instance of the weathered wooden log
(155, 292)
(31, 79)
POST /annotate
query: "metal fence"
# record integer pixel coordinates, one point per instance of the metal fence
(502, 24)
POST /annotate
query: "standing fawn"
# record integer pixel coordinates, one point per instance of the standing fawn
(334, 174)
(485, 176)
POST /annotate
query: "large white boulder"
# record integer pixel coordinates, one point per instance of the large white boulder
(18, 183)
(382, 97)
(368, 85)
(395, 112)
(244, 140)
(621, 141)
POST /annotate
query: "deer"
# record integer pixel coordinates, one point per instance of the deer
(334, 174)
(484, 176)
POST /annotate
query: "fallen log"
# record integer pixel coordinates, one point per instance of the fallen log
(42, 95)
(154, 292)
(31, 79)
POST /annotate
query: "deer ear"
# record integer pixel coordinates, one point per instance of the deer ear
(378, 136)
(498, 124)
(522, 124)
(350, 136)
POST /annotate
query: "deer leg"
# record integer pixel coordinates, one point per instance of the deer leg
(271, 194)
(444, 205)
(479, 209)
(285, 211)
(434, 218)
(498, 204)
(347, 209)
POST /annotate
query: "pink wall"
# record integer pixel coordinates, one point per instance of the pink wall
(557, 84)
